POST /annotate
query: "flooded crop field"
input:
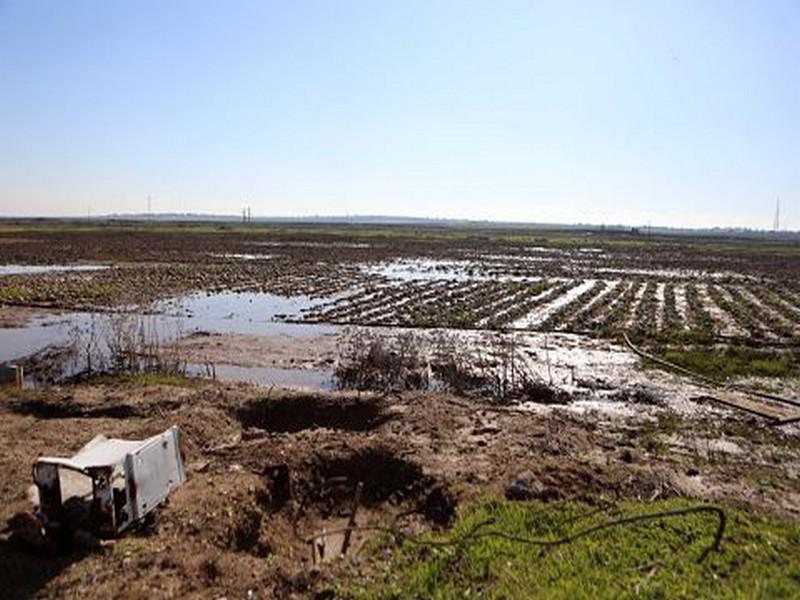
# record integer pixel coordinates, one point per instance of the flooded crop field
(275, 304)
(401, 277)
(406, 374)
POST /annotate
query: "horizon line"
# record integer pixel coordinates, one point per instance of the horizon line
(385, 219)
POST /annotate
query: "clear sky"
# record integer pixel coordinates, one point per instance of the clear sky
(674, 112)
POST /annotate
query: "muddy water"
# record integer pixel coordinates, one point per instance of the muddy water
(422, 270)
(165, 323)
(242, 313)
(269, 376)
(540, 314)
(417, 270)
(242, 329)
(17, 342)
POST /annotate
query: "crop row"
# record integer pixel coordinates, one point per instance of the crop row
(485, 304)
(567, 312)
(760, 310)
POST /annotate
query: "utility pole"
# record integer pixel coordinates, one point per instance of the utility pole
(776, 226)
(249, 218)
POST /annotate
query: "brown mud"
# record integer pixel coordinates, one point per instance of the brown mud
(272, 477)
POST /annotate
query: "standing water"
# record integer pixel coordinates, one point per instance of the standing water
(88, 340)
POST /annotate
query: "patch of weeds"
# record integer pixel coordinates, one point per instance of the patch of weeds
(372, 362)
(724, 363)
(651, 436)
(652, 442)
(759, 557)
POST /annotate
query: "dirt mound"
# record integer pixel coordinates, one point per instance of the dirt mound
(289, 415)
(204, 427)
(232, 518)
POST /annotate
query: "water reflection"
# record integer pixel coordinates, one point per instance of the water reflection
(71, 343)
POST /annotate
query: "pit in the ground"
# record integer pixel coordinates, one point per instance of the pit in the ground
(289, 415)
(331, 481)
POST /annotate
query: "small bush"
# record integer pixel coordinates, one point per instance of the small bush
(372, 362)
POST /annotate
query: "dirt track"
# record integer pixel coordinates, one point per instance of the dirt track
(419, 457)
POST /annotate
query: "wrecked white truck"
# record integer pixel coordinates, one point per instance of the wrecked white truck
(109, 485)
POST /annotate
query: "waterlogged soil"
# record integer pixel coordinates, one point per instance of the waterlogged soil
(238, 529)
(281, 351)
(388, 275)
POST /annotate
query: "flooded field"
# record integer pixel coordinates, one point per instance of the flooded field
(197, 291)
(425, 370)
(79, 339)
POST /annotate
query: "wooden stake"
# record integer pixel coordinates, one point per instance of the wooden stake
(352, 521)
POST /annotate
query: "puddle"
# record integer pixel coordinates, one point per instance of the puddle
(17, 342)
(689, 274)
(37, 269)
(267, 376)
(289, 243)
(245, 256)
(243, 313)
(423, 270)
(54, 347)
(66, 344)
(541, 313)
(404, 270)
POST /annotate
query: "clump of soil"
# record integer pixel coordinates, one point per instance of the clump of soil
(231, 518)
(541, 393)
(204, 427)
(289, 415)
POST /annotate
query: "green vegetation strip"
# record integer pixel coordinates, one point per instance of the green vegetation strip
(647, 557)
(725, 363)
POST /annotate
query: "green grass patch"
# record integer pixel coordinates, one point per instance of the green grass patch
(734, 362)
(759, 557)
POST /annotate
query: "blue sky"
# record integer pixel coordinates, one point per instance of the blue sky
(673, 112)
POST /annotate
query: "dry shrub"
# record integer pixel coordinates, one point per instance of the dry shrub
(116, 344)
(442, 361)
(369, 361)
